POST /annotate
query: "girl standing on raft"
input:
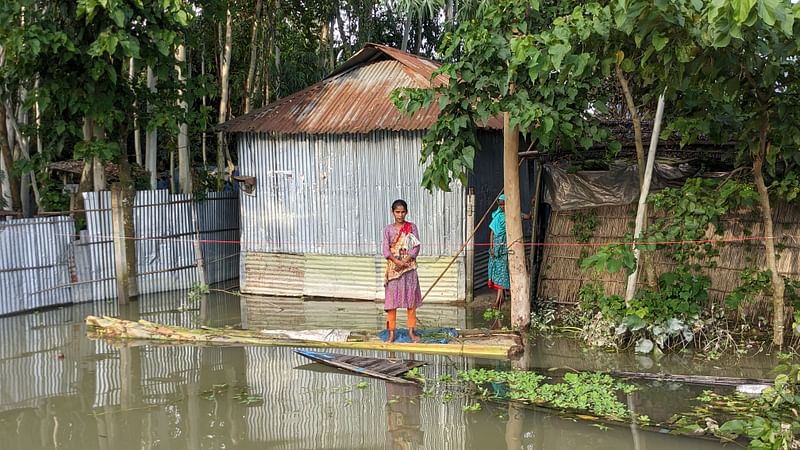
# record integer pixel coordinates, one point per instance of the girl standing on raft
(400, 248)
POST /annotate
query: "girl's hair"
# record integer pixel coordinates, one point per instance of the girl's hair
(399, 202)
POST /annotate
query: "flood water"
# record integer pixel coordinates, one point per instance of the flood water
(61, 390)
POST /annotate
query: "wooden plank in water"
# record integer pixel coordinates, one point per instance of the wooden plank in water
(708, 380)
(389, 366)
(333, 360)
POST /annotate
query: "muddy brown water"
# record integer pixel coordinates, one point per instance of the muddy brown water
(61, 390)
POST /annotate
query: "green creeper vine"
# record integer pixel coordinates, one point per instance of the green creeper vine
(670, 313)
(584, 223)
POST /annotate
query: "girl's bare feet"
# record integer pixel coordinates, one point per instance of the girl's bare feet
(391, 336)
(414, 337)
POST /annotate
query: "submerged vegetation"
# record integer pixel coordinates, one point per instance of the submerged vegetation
(769, 421)
(594, 393)
(580, 393)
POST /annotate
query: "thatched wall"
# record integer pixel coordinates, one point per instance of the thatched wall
(561, 277)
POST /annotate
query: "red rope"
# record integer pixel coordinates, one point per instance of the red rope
(477, 244)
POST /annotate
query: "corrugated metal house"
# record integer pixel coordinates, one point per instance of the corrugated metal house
(328, 161)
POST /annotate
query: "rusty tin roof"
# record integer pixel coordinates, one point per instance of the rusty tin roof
(354, 98)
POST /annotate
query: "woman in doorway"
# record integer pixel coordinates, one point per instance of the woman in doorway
(499, 278)
(400, 248)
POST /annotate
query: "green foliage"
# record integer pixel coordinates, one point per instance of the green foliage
(71, 60)
(475, 407)
(52, 196)
(492, 314)
(197, 291)
(752, 283)
(594, 393)
(593, 298)
(543, 316)
(652, 318)
(611, 258)
(583, 225)
(669, 313)
(415, 374)
(248, 399)
(523, 58)
(768, 421)
(103, 150)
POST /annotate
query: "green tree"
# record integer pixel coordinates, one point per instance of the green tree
(526, 62)
(71, 59)
(745, 64)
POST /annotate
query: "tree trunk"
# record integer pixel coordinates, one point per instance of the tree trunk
(172, 187)
(520, 284)
(637, 123)
(418, 43)
(11, 181)
(225, 67)
(124, 195)
(184, 156)
(37, 120)
(345, 39)
(449, 14)
(98, 169)
(641, 210)
(646, 262)
(22, 149)
(137, 133)
(205, 126)
(151, 140)
(331, 51)
(277, 54)
(406, 31)
(25, 193)
(85, 184)
(778, 286)
(251, 71)
(324, 48)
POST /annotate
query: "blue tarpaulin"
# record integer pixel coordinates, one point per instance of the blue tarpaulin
(426, 335)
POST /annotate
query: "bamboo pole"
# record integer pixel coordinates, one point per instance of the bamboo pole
(640, 211)
(112, 328)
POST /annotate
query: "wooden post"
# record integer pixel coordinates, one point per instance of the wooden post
(470, 226)
(130, 363)
(202, 278)
(124, 244)
(520, 287)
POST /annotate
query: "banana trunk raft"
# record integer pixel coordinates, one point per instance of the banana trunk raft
(469, 343)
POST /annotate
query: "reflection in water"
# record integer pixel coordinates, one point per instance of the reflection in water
(60, 390)
(403, 420)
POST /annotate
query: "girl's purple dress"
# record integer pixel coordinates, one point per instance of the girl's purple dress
(403, 292)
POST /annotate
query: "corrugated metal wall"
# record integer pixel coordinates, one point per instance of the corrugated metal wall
(34, 263)
(165, 231)
(218, 219)
(331, 195)
(353, 277)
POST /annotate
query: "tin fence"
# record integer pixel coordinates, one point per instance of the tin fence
(41, 263)
(34, 263)
(165, 228)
